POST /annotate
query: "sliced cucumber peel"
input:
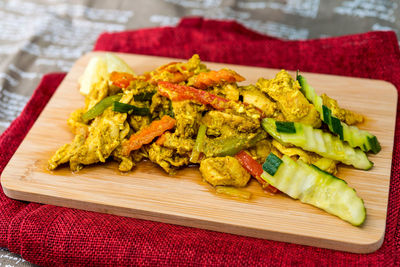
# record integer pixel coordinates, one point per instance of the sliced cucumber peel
(271, 164)
(313, 186)
(320, 142)
(285, 127)
(351, 134)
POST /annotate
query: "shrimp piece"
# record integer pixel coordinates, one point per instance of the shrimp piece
(212, 78)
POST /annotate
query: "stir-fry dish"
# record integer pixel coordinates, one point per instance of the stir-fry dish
(278, 130)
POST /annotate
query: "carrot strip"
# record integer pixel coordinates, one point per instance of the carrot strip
(147, 134)
(177, 92)
(121, 79)
(161, 140)
(255, 169)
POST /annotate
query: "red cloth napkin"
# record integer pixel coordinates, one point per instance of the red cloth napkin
(49, 235)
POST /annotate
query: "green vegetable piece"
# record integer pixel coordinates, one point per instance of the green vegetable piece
(327, 113)
(313, 186)
(232, 145)
(374, 144)
(285, 127)
(170, 111)
(99, 108)
(121, 107)
(272, 164)
(133, 110)
(351, 134)
(331, 120)
(337, 126)
(144, 96)
(199, 144)
(320, 142)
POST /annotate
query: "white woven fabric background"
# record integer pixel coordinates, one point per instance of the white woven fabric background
(41, 36)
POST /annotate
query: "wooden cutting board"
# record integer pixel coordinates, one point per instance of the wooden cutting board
(184, 199)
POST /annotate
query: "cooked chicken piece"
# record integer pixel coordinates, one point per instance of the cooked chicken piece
(347, 116)
(327, 165)
(187, 115)
(76, 124)
(176, 72)
(126, 163)
(64, 153)
(138, 122)
(252, 95)
(295, 153)
(221, 123)
(140, 86)
(224, 171)
(104, 134)
(160, 106)
(261, 150)
(94, 143)
(229, 91)
(183, 146)
(166, 158)
(293, 104)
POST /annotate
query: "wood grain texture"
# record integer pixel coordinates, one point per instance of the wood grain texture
(184, 199)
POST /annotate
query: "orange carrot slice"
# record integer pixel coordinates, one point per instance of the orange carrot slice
(147, 134)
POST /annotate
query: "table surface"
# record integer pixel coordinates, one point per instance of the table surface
(26, 53)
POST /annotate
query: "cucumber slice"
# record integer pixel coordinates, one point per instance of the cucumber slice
(322, 143)
(351, 134)
(313, 186)
(285, 127)
(271, 164)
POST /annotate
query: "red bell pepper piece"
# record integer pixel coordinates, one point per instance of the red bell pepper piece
(178, 92)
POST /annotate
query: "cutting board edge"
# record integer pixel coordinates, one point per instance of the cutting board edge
(360, 248)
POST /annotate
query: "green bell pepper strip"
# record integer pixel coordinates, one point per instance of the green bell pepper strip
(232, 145)
(133, 110)
(144, 96)
(199, 144)
(99, 108)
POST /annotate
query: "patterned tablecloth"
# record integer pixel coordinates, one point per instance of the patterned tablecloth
(41, 36)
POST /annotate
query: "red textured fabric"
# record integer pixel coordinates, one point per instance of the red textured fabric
(49, 235)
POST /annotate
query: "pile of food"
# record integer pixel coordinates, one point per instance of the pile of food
(278, 131)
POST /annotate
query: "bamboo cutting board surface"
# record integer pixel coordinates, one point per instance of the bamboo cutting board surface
(149, 193)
